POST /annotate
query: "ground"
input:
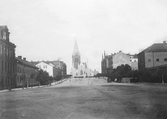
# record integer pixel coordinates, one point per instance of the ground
(86, 99)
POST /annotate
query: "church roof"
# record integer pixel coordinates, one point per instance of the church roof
(75, 51)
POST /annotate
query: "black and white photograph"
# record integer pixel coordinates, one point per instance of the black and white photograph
(83, 59)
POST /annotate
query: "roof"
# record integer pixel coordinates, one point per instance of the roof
(25, 62)
(157, 47)
(35, 62)
(55, 62)
(3, 27)
(48, 63)
(75, 51)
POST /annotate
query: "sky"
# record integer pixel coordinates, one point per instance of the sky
(47, 29)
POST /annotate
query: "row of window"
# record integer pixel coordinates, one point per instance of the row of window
(133, 60)
(7, 66)
(24, 70)
(165, 59)
(5, 51)
(6, 81)
(44, 66)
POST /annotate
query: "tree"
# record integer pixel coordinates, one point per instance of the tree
(22, 79)
(43, 77)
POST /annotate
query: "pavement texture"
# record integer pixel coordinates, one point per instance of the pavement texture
(86, 99)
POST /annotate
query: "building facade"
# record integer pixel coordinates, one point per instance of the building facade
(106, 63)
(59, 66)
(7, 60)
(79, 69)
(153, 56)
(120, 58)
(134, 61)
(49, 68)
(112, 61)
(26, 73)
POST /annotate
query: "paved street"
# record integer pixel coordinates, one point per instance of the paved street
(86, 99)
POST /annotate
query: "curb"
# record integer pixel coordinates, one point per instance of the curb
(15, 89)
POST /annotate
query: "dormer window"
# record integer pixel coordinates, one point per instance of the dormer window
(165, 59)
(157, 60)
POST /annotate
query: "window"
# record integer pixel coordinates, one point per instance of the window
(157, 60)
(44, 66)
(7, 51)
(149, 60)
(165, 59)
(2, 65)
(1, 49)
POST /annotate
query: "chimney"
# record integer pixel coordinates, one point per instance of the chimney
(24, 58)
(164, 42)
(20, 57)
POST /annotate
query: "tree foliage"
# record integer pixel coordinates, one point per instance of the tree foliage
(43, 77)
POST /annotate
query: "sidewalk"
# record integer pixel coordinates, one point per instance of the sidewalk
(25, 88)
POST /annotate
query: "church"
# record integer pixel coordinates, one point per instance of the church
(79, 69)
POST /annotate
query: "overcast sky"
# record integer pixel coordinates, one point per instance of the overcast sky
(46, 29)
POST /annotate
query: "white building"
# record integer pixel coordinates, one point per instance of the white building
(46, 67)
(79, 69)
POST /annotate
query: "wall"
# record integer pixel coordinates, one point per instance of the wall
(46, 67)
(24, 72)
(120, 59)
(7, 64)
(151, 59)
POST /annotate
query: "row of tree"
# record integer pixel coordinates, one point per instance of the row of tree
(41, 78)
(157, 75)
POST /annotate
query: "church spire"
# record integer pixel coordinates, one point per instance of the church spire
(75, 51)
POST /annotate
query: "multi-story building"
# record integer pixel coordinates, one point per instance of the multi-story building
(26, 72)
(110, 62)
(120, 58)
(106, 63)
(7, 60)
(134, 61)
(153, 56)
(58, 65)
(49, 68)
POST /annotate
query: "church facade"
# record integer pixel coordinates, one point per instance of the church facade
(79, 69)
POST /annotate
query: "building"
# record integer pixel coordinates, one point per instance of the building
(59, 65)
(153, 56)
(53, 68)
(134, 61)
(7, 60)
(25, 73)
(79, 69)
(106, 63)
(95, 72)
(121, 58)
(112, 61)
(49, 68)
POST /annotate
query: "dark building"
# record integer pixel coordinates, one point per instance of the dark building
(153, 56)
(107, 64)
(26, 73)
(7, 60)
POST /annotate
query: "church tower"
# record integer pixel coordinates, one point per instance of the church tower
(76, 59)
